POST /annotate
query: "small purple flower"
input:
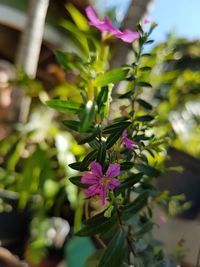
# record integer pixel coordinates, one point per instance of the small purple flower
(128, 143)
(99, 182)
(106, 25)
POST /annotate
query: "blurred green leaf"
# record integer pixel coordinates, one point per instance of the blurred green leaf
(144, 84)
(74, 125)
(145, 118)
(101, 155)
(111, 76)
(126, 166)
(134, 207)
(144, 104)
(65, 106)
(76, 180)
(112, 139)
(116, 251)
(77, 17)
(116, 127)
(88, 159)
(148, 170)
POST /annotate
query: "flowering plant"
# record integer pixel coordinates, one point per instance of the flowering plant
(122, 159)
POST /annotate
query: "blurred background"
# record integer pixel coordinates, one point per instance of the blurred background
(35, 149)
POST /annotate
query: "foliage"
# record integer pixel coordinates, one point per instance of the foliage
(175, 78)
(124, 223)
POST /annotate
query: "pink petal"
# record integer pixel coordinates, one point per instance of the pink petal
(92, 190)
(89, 178)
(103, 194)
(124, 133)
(128, 143)
(128, 36)
(113, 170)
(92, 16)
(96, 169)
(147, 20)
(113, 184)
(109, 26)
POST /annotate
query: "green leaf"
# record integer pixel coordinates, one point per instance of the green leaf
(101, 226)
(87, 116)
(148, 170)
(76, 166)
(65, 106)
(145, 68)
(116, 127)
(131, 180)
(147, 227)
(134, 207)
(80, 21)
(144, 104)
(68, 61)
(144, 84)
(76, 180)
(89, 138)
(112, 139)
(116, 251)
(80, 38)
(111, 76)
(101, 156)
(126, 166)
(74, 125)
(88, 159)
(145, 118)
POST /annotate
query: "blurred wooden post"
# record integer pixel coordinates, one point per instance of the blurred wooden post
(29, 51)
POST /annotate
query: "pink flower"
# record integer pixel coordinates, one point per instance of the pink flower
(106, 25)
(147, 20)
(128, 143)
(99, 182)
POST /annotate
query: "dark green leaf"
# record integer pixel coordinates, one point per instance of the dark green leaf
(101, 156)
(146, 55)
(89, 138)
(145, 118)
(76, 166)
(148, 170)
(116, 251)
(126, 166)
(144, 84)
(111, 76)
(134, 207)
(87, 117)
(101, 226)
(144, 104)
(112, 139)
(88, 159)
(76, 180)
(145, 229)
(145, 68)
(65, 106)
(74, 125)
(102, 97)
(126, 95)
(149, 42)
(131, 180)
(116, 127)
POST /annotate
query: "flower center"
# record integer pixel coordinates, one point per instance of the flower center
(105, 180)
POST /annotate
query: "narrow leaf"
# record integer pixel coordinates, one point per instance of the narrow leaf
(76, 180)
(145, 118)
(65, 106)
(101, 156)
(118, 126)
(111, 76)
(74, 125)
(148, 170)
(144, 104)
(139, 203)
(88, 159)
(112, 139)
(126, 166)
(144, 84)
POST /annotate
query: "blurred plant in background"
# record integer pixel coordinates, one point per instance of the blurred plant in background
(176, 79)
